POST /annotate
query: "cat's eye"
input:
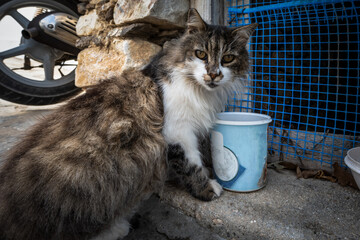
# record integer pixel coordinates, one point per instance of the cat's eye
(200, 54)
(228, 58)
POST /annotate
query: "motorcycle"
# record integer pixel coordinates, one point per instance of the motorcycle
(37, 51)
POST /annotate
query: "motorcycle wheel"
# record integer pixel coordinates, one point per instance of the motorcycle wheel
(32, 73)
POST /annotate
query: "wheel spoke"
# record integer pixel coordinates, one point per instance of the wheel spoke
(16, 51)
(21, 19)
(49, 64)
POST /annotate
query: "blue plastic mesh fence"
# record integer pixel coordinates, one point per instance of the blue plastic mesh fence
(305, 75)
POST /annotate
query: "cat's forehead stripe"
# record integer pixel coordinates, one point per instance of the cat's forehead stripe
(216, 42)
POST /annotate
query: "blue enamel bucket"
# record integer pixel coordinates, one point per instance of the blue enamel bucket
(239, 150)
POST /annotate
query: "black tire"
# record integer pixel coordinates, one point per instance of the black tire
(24, 92)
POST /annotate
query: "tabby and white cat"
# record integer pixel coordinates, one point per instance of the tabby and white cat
(196, 74)
(81, 172)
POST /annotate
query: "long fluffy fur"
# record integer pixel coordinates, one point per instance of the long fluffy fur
(80, 172)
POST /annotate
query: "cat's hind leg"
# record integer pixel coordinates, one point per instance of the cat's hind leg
(118, 230)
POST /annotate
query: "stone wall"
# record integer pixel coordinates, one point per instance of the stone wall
(119, 34)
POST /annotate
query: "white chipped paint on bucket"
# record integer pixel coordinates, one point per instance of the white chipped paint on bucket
(352, 160)
(239, 150)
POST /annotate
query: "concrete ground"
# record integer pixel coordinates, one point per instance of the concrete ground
(287, 208)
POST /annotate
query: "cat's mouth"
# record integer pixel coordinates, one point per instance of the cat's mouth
(212, 85)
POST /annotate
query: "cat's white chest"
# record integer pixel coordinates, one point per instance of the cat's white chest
(186, 109)
(189, 113)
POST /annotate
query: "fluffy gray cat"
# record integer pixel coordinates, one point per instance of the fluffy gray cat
(82, 171)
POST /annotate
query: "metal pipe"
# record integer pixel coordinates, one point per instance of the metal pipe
(29, 33)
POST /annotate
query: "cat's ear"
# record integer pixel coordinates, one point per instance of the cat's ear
(195, 22)
(244, 33)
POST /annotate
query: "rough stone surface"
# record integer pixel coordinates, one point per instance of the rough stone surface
(89, 24)
(96, 1)
(81, 7)
(287, 208)
(145, 31)
(157, 220)
(15, 119)
(96, 64)
(141, 30)
(167, 14)
(156, 21)
(105, 10)
(89, 41)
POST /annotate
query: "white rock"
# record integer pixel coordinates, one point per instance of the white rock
(89, 24)
(164, 13)
(97, 64)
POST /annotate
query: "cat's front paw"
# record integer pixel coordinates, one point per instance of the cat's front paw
(212, 190)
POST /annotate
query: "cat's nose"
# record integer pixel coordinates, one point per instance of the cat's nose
(213, 75)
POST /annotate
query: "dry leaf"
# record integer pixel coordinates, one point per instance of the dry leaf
(276, 166)
(343, 177)
(309, 173)
(298, 172)
(322, 174)
(288, 165)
